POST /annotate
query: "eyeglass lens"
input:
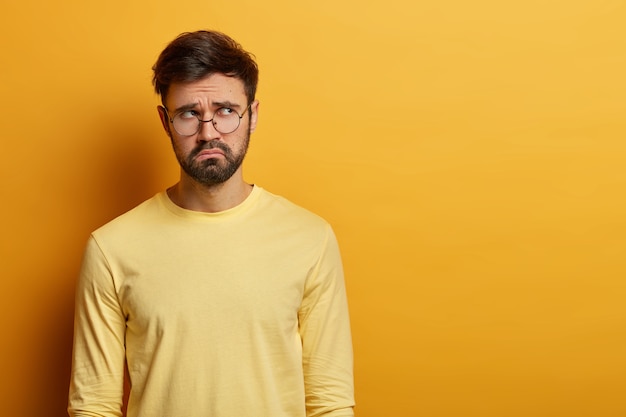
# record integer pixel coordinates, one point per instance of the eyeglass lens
(225, 120)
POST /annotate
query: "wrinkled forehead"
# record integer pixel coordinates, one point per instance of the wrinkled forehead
(214, 88)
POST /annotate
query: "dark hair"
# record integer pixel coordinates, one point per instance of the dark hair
(195, 55)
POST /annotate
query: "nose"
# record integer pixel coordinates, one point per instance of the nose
(207, 131)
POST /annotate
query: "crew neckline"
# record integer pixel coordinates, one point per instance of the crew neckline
(183, 212)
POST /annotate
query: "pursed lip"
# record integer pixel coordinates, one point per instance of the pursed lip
(208, 153)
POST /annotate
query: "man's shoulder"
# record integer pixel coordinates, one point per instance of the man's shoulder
(282, 208)
(133, 218)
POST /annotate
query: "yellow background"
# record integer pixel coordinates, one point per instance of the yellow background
(469, 154)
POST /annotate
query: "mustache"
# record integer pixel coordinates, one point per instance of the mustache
(212, 144)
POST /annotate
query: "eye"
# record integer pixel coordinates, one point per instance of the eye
(188, 114)
(225, 111)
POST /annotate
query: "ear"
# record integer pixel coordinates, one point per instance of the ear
(165, 121)
(254, 112)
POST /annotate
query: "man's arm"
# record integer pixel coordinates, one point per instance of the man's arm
(97, 381)
(326, 339)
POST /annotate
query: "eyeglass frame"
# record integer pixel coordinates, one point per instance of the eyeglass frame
(200, 121)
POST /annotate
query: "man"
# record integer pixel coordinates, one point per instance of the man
(220, 298)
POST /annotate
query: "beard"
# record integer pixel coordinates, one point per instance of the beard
(212, 171)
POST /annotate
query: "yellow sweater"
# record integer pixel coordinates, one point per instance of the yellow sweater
(241, 313)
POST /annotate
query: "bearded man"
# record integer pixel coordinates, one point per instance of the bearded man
(219, 298)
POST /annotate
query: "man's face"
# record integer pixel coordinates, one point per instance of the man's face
(208, 156)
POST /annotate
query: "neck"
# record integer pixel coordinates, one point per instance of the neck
(191, 195)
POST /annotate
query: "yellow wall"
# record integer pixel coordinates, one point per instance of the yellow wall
(470, 155)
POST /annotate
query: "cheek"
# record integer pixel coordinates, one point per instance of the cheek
(242, 139)
(181, 147)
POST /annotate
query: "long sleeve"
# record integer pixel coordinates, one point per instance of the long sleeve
(326, 339)
(96, 388)
(229, 314)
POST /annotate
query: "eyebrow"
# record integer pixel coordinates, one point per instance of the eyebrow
(185, 107)
(215, 104)
(226, 103)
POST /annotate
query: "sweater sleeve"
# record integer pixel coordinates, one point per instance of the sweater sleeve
(326, 339)
(97, 380)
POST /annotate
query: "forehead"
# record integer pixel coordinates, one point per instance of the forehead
(212, 88)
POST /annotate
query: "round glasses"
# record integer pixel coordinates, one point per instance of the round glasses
(188, 122)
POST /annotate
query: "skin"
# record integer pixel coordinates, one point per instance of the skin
(207, 95)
